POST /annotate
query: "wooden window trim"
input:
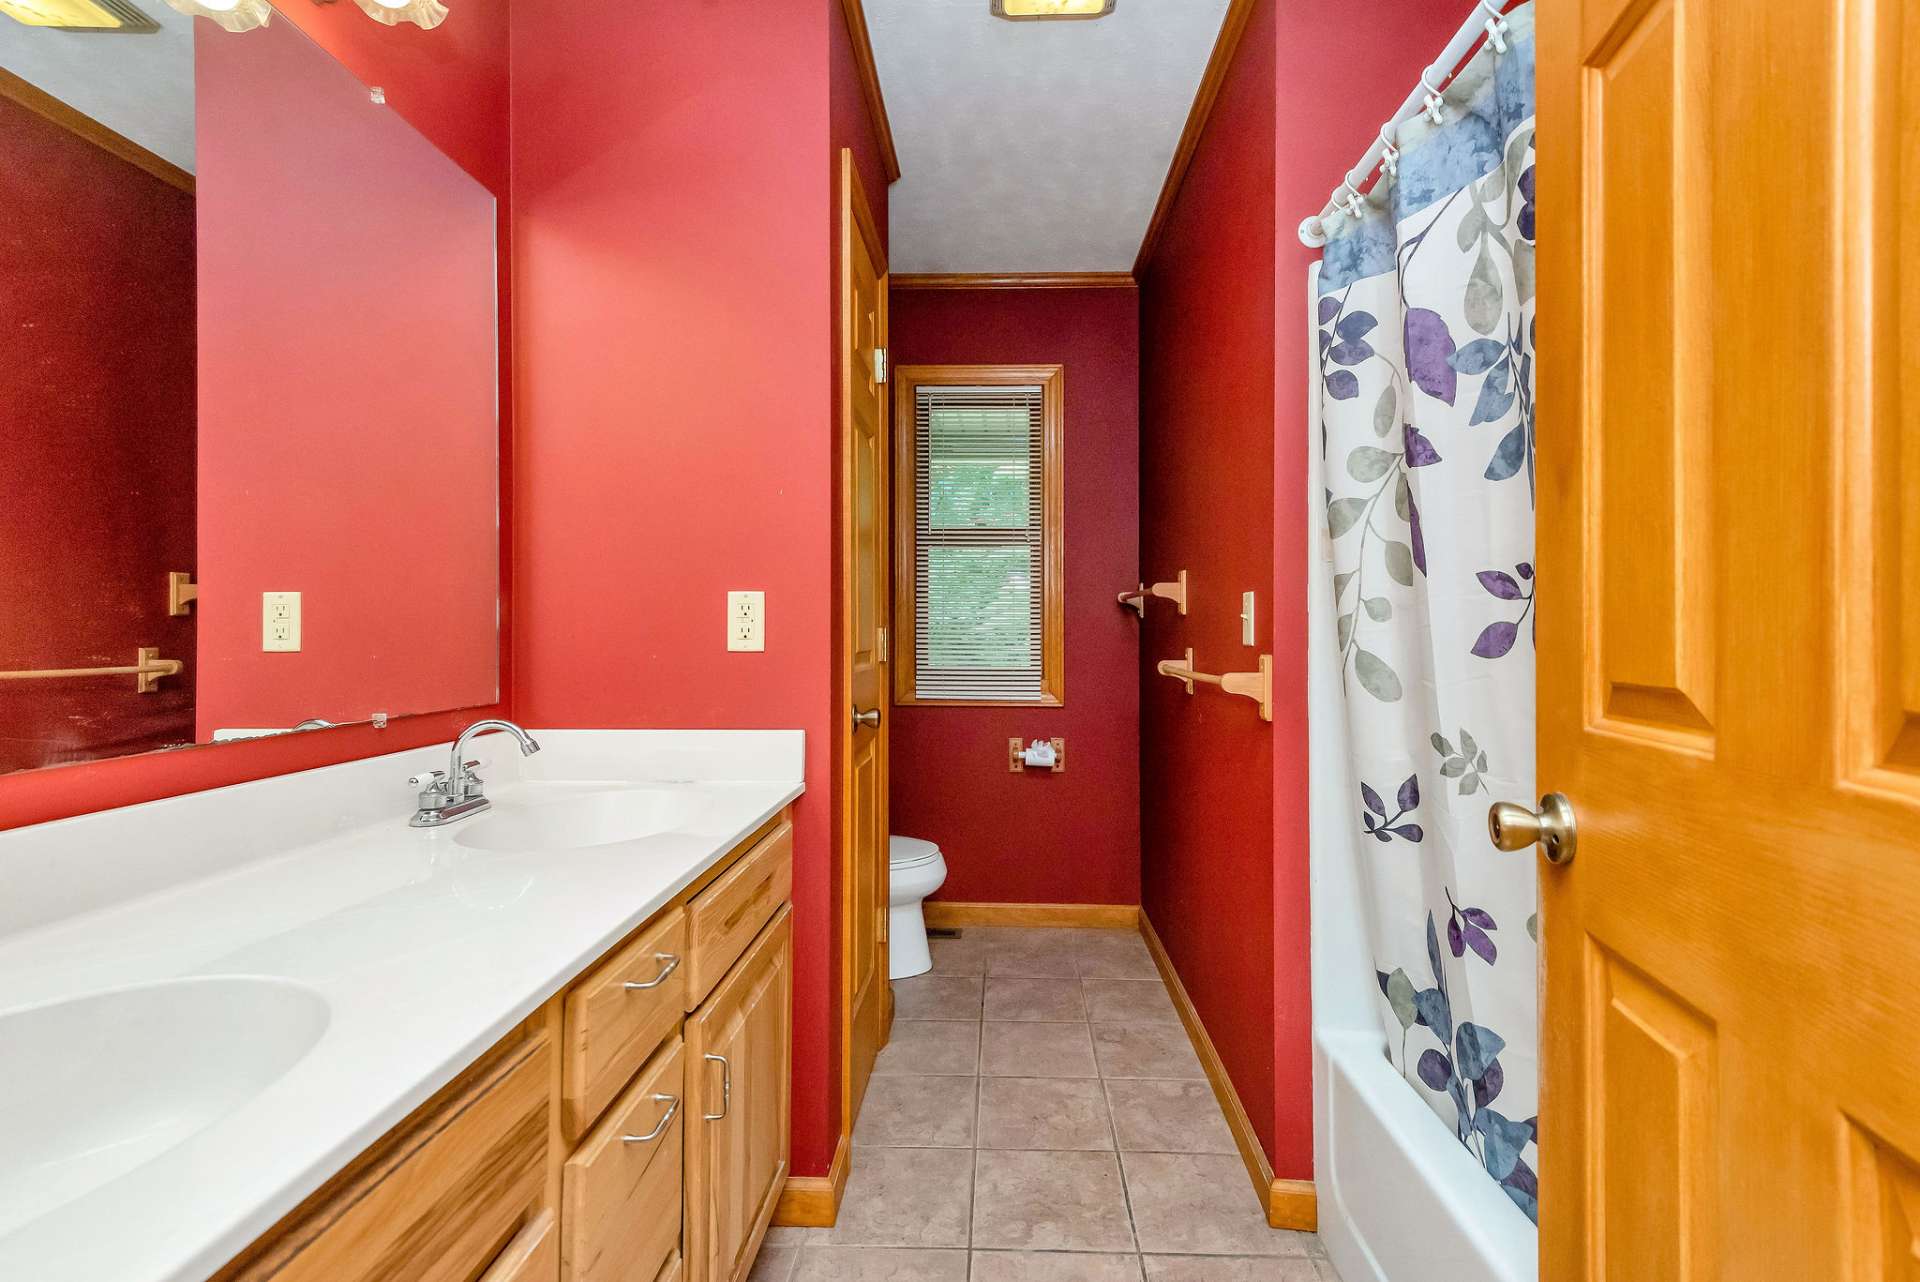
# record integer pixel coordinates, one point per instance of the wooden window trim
(1052, 380)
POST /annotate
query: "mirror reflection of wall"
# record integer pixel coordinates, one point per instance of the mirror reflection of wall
(251, 358)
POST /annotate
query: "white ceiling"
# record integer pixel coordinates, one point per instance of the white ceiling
(140, 86)
(1035, 146)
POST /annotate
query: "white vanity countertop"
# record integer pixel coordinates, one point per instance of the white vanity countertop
(425, 952)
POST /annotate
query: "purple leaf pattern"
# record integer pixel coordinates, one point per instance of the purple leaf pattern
(1424, 337)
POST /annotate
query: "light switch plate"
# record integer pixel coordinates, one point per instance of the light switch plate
(1246, 619)
(280, 622)
(746, 620)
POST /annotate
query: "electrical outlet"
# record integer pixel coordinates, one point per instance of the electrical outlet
(280, 622)
(746, 620)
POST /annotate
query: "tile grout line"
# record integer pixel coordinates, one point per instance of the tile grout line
(1101, 1074)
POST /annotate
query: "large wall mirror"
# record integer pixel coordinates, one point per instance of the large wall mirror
(248, 395)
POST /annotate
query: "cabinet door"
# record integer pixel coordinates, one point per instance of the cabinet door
(739, 1060)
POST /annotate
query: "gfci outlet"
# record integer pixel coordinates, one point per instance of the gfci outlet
(746, 620)
(280, 622)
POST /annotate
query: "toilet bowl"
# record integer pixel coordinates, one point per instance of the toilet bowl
(915, 870)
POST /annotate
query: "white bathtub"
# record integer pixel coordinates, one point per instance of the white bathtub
(1400, 1199)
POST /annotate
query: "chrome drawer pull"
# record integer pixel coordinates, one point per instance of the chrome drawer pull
(672, 964)
(726, 1089)
(673, 1106)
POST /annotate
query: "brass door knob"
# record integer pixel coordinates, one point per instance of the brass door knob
(1514, 827)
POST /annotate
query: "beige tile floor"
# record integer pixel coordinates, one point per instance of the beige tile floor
(1040, 1116)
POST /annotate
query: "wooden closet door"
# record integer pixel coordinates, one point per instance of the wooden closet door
(739, 1069)
(1729, 606)
(866, 533)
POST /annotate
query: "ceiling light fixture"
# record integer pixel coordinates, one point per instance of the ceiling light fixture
(79, 15)
(421, 13)
(1052, 8)
(234, 15)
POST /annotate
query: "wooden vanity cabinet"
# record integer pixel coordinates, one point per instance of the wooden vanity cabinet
(442, 1197)
(739, 1060)
(614, 1136)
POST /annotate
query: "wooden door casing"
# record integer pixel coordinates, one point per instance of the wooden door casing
(866, 542)
(736, 1163)
(1729, 676)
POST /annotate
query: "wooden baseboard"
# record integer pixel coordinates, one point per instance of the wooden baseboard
(813, 1201)
(1288, 1204)
(946, 914)
(1293, 1204)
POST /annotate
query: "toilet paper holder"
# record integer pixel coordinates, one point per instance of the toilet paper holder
(1018, 751)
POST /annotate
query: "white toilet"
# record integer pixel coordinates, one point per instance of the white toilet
(916, 870)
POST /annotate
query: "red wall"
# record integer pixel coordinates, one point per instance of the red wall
(1038, 837)
(1206, 503)
(1224, 336)
(1313, 147)
(451, 84)
(672, 214)
(373, 496)
(97, 270)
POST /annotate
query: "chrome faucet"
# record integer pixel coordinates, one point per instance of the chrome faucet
(456, 792)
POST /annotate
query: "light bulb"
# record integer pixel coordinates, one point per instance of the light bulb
(421, 13)
(234, 15)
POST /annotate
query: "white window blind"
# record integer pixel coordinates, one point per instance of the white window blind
(979, 612)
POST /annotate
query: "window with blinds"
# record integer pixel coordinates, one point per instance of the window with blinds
(981, 495)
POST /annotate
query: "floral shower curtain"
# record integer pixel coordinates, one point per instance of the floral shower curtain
(1426, 313)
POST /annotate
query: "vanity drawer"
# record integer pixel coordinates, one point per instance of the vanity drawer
(532, 1256)
(622, 1193)
(611, 1028)
(725, 917)
(439, 1199)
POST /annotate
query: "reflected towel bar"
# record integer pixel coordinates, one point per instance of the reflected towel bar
(1257, 686)
(147, 670)
(1175, 592)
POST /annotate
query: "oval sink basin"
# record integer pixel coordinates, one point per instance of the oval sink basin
(550, 816)
(99, 1085)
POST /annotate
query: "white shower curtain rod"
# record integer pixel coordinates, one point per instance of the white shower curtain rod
(1486, 22)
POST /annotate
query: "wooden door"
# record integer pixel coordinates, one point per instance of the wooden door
(865, 531)
(1730, 641)
(739, 1066)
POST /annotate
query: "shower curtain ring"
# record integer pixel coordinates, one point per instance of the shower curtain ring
(1496, 26)
(1434, 99)
(1390, 156)
(1352, 203)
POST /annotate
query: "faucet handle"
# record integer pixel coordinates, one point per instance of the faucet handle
(427, 779)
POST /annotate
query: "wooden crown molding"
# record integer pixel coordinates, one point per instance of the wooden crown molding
(42, 103)
(1013, 280)
(1231, 29)
(870, 86)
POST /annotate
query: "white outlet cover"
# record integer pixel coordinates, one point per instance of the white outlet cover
(746, 621)
(280, 622)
